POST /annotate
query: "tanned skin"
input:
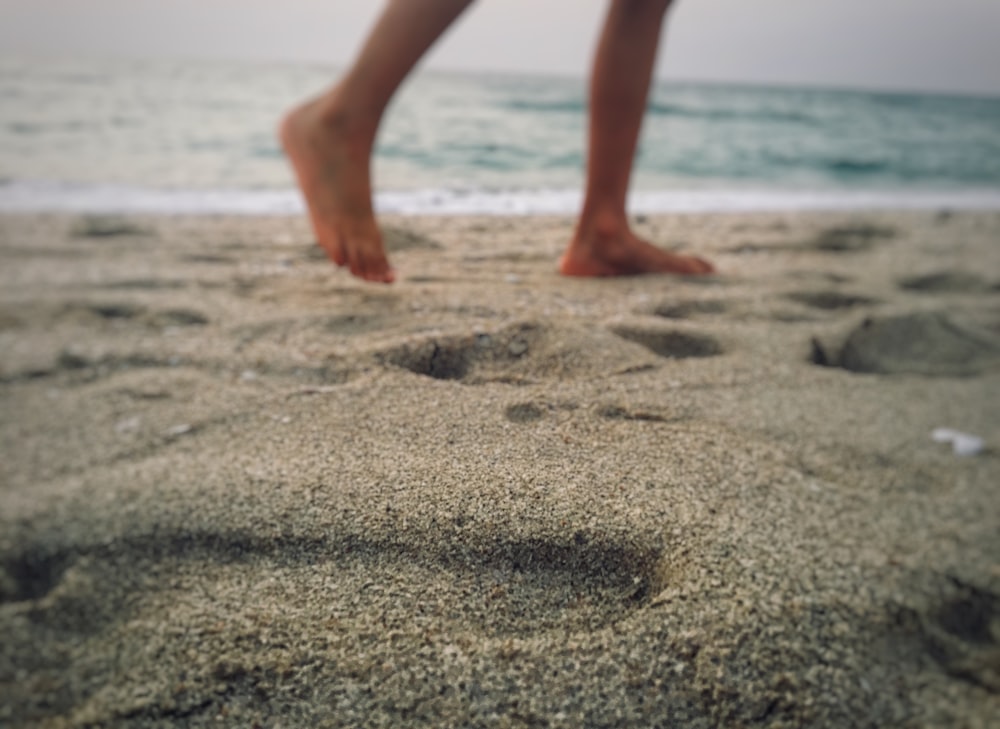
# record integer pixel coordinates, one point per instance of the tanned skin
(329, 141)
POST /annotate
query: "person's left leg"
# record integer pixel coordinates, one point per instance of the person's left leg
(329, 141)
(603, 244)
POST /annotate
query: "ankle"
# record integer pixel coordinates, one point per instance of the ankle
(595, 227)
(346, 114)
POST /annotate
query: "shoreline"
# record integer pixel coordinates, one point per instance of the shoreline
(25, 197)
(240, 486)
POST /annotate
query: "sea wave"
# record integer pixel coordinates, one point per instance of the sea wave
(576, 105)
(183, 125)
(723, 114)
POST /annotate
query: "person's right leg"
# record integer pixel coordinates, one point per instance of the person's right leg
(330, 140)
(603, 244)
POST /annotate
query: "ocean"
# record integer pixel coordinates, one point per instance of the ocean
(160, 136)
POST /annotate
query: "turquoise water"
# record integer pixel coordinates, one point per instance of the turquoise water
(199, 136)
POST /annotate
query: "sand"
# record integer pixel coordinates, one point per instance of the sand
(239, 488)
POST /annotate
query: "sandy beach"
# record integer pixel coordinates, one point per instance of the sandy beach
(240, 488)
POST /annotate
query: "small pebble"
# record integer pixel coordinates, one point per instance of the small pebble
(962, 444)
(128, 425)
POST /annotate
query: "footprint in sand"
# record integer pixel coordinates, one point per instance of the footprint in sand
(947, 282)
(829, 300)
(400, 239)
(50, 326)
(926, 343)
(532, 410)
(208, 258)
(850, 238)
(107, 226)
(9, 319)
(176, 318)
(279, 330)
(42, 316)
(111, 311)
(59, 594)
(689, 309)
(119, 311)
(855, 238)
(30, 576)
(524, 412)
(148, 284)
(670, 343)
(502, 587)
(353, 324)
(516, 354)
(620, 412)
(83, 368)
(961, 633)
(458, 357)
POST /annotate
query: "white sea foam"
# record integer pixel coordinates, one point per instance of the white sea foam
(105, 199)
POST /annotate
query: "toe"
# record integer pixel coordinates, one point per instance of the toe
(331, 242)
(370, 264)
(704, 266)
(378, 272)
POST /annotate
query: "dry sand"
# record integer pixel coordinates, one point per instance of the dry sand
(240, 488)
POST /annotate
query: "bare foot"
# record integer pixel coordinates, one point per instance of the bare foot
(331, 154)
(619, 252)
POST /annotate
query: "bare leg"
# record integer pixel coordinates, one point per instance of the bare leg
(603, 244)
(330, 140)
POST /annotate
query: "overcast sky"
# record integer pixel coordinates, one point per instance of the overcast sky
(944, 45)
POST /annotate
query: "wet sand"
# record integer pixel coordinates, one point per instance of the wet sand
(239, 488)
